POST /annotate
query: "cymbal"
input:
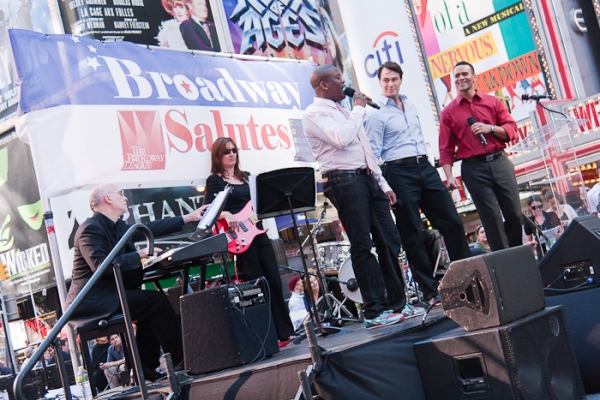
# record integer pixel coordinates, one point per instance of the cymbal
(331, 214)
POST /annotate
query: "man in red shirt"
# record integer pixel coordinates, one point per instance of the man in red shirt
(475, 128)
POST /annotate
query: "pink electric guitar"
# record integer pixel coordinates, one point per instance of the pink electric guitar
(240, 239)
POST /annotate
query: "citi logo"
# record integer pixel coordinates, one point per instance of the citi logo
(385, 48)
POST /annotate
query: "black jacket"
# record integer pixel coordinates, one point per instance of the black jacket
(94, 240)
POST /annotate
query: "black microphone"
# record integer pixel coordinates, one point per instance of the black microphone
(348, 91)
(471, 121)
(535, 97)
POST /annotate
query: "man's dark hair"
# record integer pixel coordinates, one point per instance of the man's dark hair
(394, 66)
(467, 64)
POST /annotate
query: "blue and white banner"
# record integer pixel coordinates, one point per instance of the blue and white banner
(117, 112)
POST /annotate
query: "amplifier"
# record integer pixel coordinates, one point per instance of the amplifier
(247, 294)
(217, 334)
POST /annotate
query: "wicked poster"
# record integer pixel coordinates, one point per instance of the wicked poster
(23, 242)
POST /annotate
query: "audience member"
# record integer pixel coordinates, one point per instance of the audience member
(593, 194)
(482, 243)
(114, 359)
(4, 370)
(564, 211)
(64, 344)
(48, 355)
(583, 209)
(543, 221)
(296, 303)
(99, 355)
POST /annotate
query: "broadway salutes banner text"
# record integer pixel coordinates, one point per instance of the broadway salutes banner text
(152, 115)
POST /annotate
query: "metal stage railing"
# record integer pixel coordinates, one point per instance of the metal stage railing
(108, 263)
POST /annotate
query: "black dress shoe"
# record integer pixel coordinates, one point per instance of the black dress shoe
(152, 375)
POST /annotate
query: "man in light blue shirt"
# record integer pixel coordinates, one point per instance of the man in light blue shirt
(395, 136)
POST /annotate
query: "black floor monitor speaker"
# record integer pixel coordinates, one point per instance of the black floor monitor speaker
(218, 335)
(492, 289)
(583, 318)
(529, 359)
(572, 261)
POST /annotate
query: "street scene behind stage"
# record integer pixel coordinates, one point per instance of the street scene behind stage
(208, 199)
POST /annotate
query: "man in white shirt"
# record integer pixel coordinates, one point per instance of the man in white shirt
(592, 195)
(352, 181)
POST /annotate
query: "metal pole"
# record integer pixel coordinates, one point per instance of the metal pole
(128, 325)
(61, 285)
(8, 340)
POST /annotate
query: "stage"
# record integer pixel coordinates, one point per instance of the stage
(358, 363)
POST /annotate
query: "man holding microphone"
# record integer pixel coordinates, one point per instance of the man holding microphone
(475, 128)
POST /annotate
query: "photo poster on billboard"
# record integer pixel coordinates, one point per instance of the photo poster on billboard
(178, 24)
(304, 29)
(33, 15)
(143, 206)
(377, 36)
(494, 36)
(23, 241)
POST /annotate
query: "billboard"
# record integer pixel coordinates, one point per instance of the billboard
(377, 36)
(34, 15)
(117, 112)
(23, 241)
(289, 29)
(178, 24)
(495, 36)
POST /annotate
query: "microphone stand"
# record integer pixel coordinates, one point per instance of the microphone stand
(539, 103)
(539, 232)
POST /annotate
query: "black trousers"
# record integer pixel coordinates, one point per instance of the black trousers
(157, 326)
(418, 186)
(364, 211)
(493, 188)
(259, 260)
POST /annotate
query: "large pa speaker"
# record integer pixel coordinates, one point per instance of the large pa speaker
(529, 359)
(218, 335)
(492, 289)
(571, 262)
(583, 319)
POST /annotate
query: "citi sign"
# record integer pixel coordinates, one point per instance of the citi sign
(385, 48)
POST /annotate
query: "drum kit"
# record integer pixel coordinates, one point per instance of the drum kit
(334, 259)
(334, 265)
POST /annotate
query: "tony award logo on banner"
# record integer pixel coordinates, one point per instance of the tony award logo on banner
(142, 140)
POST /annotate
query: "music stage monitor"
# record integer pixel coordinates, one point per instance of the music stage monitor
(573, 259)
(531, 358)
(273, 189)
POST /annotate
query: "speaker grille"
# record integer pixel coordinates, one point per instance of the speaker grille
(541, 348)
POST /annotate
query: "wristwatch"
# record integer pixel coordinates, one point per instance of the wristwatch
(493, 128)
